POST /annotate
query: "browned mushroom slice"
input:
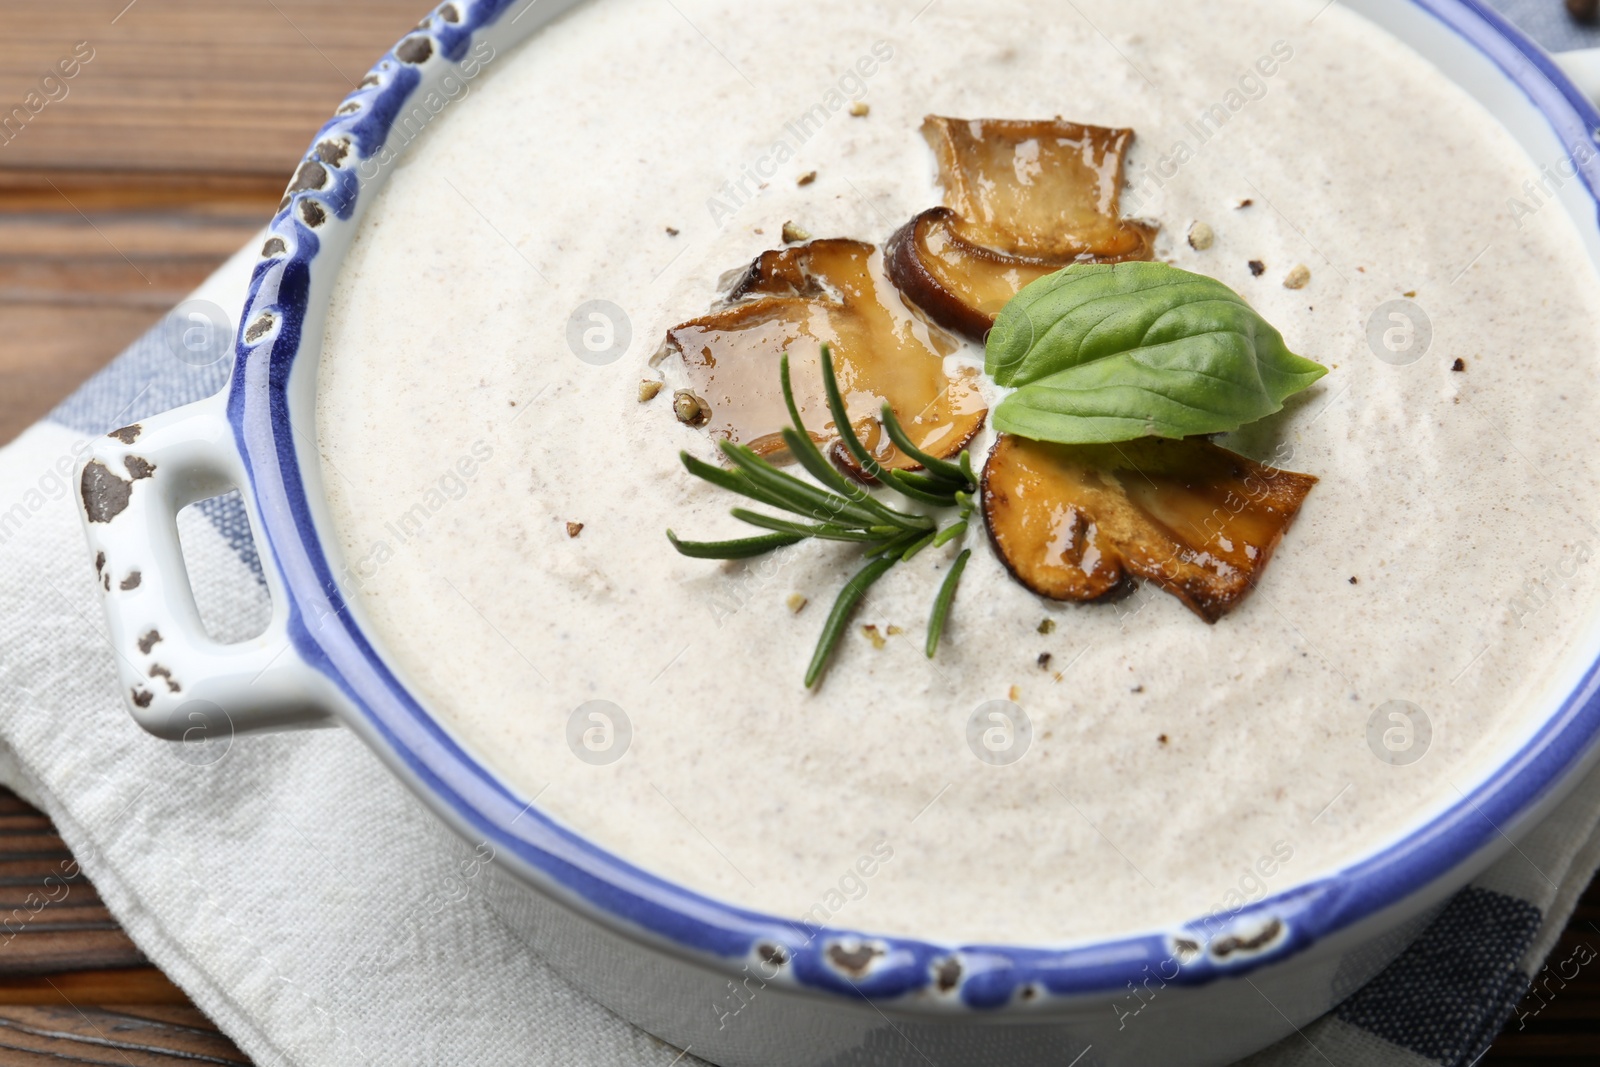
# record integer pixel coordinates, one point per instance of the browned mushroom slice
(962, 286)
(1045, 189)
(835, 291)
(1073, 522)
(1023, 199)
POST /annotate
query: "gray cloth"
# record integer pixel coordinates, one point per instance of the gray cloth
(1547, 22)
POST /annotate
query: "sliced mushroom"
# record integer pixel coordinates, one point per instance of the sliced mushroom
(1022, 199)
(1049, 189)
(962, 286)
(794, 299)
(1076, 522)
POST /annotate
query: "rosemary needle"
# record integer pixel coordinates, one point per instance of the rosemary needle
(942, 602)
(839, 509)
(941, 468)
(823, 532)
(839, 617)
(746, 548)
(841, 418)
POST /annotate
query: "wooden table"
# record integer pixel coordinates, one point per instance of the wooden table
(170, 147)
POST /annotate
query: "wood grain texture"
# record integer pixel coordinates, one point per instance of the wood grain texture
(123, 186)
(169, 148)
(222, 86)
(73, 988)
(133, 1035)
(51, 918)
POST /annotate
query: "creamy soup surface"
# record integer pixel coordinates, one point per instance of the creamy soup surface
(635, 151)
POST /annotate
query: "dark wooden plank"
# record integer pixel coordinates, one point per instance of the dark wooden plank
(89, 260)
(170, 147)
(65, 315)
(41, 950)
(124, 1035)
(133, 985)
(31, 842)
(22, 821)
(236, 86)
(31, 870)
(57, 918)
(51, 918)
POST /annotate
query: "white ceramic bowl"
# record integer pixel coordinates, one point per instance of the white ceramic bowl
(736, 986)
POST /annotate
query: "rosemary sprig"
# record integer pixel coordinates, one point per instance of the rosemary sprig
(839, 617)
(838, 509)
(946, 597)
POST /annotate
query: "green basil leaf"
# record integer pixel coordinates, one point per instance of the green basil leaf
(1113, 352)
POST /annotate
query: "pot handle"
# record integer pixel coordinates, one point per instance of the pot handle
(180, 683)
